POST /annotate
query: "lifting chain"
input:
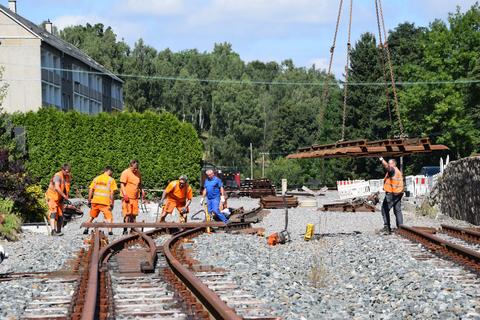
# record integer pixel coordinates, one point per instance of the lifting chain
(347, 66)
(324, 101)
(384, 47)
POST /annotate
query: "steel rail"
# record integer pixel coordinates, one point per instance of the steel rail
(149, 265)
(462, 233)
(162, 225)
(209, 299)
(90, 305)
(460, 254)
(100, 256)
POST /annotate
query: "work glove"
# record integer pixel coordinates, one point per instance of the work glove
(222, 199)
(381, 159)
(183, 211)
(89, 204)
(125, 198)
(202, 201)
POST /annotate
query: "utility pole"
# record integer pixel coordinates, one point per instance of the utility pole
(251, 161)
(263, 162)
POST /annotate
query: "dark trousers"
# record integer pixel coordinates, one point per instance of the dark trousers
(392, 201)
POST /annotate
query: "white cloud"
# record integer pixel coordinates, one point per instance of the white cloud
(71, 20)
(131, 31)
(261, 11)
(153, 7)
(320, 63)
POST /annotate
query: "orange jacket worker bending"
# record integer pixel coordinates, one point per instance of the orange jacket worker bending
(100, 197)
(130, 188)
(179, 195)
(57, 192)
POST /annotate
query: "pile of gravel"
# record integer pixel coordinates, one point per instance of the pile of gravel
(351, 276)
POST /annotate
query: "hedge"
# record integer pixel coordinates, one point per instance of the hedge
(164, 146)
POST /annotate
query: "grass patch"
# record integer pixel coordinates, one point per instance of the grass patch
(426, 209)
(318, 272)
(11, 227)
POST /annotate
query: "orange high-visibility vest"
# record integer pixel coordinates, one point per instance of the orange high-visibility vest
(103, 186)
(393, 184)
(64, 186)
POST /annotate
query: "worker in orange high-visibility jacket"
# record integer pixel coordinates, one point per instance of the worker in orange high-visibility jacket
(100, 197)
(56, 194)
(130, 189)
(393, 186)
(179, 195)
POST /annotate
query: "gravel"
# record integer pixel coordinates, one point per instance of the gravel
(350, 272)
(351, 276)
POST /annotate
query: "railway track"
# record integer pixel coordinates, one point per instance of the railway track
(462, 253)
(144, 275)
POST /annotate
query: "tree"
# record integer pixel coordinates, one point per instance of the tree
(100, 43)
(448, 113)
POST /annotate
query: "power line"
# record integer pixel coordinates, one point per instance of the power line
(258, 82)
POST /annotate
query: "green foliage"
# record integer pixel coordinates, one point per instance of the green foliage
(280, 118)
(39, 207)
(164, 146)
(448, 112)
(11, 227)
(6, 206)
(285, 169)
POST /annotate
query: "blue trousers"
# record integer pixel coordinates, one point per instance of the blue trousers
(213, 206)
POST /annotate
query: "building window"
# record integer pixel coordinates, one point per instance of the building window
(51, 94)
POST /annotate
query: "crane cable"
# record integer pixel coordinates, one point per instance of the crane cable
(324, 100)
(382, 59)
(384, 45)
(347, 66)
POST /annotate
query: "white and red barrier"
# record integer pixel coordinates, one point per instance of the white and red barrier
(348, 189)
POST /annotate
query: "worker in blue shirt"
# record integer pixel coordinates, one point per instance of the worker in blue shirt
(215, 193)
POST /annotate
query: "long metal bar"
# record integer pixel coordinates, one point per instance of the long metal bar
(462, 233)
(364, 148)
(149, 265)
(466, 256)
(90, 305)
(215, 306)
(162, 225)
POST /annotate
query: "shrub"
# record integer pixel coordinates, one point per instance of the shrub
(11, 227)
(9, 222)
(38, 208)
(164, 146)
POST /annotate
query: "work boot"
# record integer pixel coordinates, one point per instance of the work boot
(110, 233)
(125, 231)
(85, 231)
(386, 231)
(56, 233)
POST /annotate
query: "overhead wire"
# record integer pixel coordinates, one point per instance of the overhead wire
(335, 82)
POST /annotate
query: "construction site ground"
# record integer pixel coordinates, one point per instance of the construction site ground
(347, 271)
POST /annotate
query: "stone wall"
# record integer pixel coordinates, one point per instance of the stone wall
(457, 192)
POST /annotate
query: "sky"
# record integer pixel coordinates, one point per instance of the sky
(265, 30)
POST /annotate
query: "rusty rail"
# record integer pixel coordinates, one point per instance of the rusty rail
(461, 255)
(462, 233)
(90, 304)
(162, 225)
(364, 148)
(212, 302)
(215, 306)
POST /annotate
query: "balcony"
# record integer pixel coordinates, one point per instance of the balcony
(51, 77)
